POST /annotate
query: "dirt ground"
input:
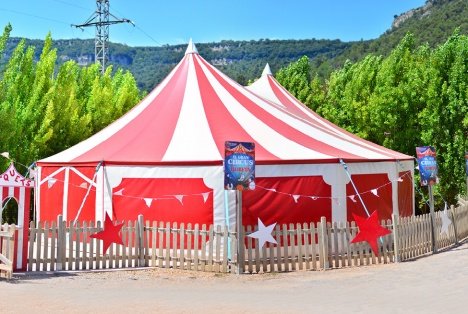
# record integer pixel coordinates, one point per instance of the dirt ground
(433, 284)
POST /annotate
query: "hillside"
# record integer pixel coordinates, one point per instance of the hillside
(430, 24)
(244, 60)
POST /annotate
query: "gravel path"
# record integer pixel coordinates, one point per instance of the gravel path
(433, 284)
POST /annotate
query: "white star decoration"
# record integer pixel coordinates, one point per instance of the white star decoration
(263, 234)
(446, 222)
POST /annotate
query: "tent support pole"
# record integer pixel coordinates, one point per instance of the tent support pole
(240, 245)
(345, 166)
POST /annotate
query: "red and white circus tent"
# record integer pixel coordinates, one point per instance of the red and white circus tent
(164, 159)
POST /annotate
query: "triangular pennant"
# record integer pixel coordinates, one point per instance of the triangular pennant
(51, 182)
(352, 197)
(400, 179)
(295, 197)
(148, 201)
(119, 192)
(314, 198)
(6, 155)
(272, 190)
(180, 198)
(84, 185)
(205, 196)
(374, 191)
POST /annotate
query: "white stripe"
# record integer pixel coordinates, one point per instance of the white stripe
(37, 194)
(263, 89)
(100, 137)
(192, 139)
(264, 135)
(336, 129)
(316, 133)
(46, 179)
(85, 178)
(65, 194)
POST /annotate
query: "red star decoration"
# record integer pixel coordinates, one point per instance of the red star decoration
(369, 230)
(110, 234)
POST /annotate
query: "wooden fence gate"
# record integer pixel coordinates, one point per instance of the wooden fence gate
(7, 247)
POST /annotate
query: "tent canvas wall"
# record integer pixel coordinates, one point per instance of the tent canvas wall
(164, 159)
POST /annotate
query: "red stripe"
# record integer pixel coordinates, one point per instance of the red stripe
(281, 127)
(147, 137)
(280, 92)
(223, 126)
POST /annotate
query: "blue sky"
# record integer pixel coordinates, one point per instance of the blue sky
(174, 22)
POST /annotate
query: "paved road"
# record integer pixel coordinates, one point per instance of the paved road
(433, 284)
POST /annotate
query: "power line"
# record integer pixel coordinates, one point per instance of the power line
(71, 4)
(33, 15)
(139, 28)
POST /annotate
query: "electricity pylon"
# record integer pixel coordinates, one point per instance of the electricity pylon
(101, 20)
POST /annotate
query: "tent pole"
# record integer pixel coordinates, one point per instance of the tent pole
(240, 246)
(345, 166)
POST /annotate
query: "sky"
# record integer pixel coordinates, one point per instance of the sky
(175, 22)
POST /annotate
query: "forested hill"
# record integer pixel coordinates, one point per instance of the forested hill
(244, 60)
(432, 23)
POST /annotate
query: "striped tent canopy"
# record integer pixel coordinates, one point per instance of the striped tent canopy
(166, 155)
(190, 115)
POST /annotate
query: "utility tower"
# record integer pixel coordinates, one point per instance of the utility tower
(101, 20)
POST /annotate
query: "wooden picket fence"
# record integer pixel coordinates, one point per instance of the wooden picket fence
(414, 236)
(311, 246)
(7, 246)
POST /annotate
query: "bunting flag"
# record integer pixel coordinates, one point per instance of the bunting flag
(205, 196)
(51, 182)
(296, 197)
(148, 202)
(119, 192)
(6, 155)
(84, 185)
(374, 191)
(180, 198)
(314, 198)
(352, 197)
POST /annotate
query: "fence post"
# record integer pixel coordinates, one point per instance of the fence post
(324, 239)
(140, 240)
(60, 242)
(396, 247)
(452, 210)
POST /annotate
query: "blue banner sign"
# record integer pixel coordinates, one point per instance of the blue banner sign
(239, 166)
(427, 163)
(466, 161)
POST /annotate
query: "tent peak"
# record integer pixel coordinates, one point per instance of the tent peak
(267, 70)
(191, 47)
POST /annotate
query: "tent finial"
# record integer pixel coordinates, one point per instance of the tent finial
(191, 47)
(267, 70)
